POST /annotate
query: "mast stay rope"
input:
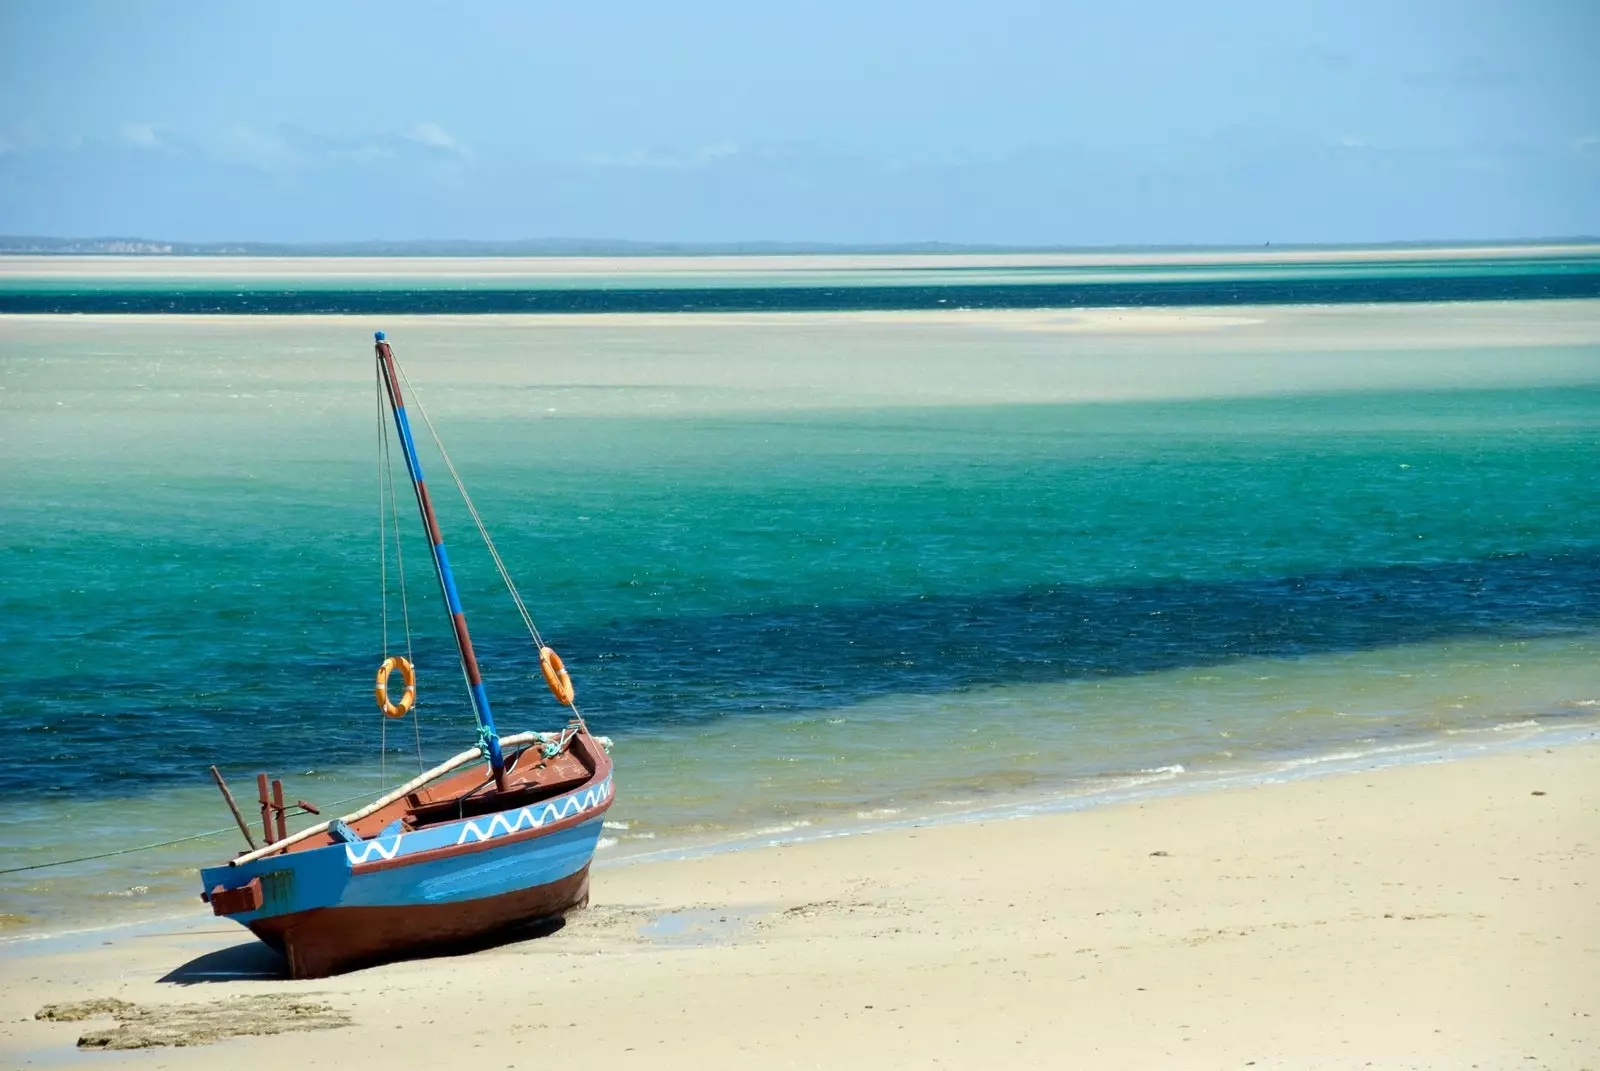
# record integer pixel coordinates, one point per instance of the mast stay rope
(389, 513)
(483, 531)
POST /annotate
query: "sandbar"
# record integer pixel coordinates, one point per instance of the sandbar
(303, 267)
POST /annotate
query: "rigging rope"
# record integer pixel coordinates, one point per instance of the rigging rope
(405, 601)
(383, 575)
(389, 510)
(483, 532)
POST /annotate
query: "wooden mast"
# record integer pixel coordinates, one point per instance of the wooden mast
(389, 373)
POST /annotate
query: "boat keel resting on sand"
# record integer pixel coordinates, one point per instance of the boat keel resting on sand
(461, 851)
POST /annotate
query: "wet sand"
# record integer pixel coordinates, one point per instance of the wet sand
(1427, 916)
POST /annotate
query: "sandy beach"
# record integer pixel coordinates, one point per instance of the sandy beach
(1438, 916)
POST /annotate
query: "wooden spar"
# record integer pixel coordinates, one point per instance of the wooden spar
(389, 376)
(234, 807)
(266, 808)
(452, 763)
(278, 808)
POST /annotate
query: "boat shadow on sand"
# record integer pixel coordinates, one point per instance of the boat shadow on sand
(252, 961)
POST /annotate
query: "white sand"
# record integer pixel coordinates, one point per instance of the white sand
(1438, 916)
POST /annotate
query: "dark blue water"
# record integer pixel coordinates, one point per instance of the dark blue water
(1359, 283)
(858, 555)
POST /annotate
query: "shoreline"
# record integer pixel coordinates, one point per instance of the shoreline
(1108, 790)
(1430, 915)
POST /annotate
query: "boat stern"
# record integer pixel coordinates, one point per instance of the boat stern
(277, 885)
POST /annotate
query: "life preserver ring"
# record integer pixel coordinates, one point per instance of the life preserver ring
(555, 675)
(408, 699)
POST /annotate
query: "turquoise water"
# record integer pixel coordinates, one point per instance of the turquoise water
(772, 274)
(789, 617)
(779, 285)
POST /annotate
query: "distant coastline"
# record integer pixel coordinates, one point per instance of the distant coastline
(38, 245)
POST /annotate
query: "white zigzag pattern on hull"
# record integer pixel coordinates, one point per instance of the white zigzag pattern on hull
(498, 826)
(370, 848)
(553, 811)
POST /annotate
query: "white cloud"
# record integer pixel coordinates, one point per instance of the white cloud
(433, 136)
(365, 153)
(291, 148)
(140, 135)
(666, 159)
(261, 149)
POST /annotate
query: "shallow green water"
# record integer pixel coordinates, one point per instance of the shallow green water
(787, 617)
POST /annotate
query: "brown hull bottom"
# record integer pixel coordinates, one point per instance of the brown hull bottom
(331, 940)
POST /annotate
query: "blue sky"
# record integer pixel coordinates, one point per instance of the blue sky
(996, 122)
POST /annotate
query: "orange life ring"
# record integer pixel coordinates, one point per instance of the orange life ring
(555, 675)
(408, 699)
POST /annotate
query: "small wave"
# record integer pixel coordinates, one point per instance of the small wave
(789, 827)
(1503, 727)
(1314, 760)
(879, 812)
(1346, 756)
(605, 842)
(640, 836)
(1175, 768)
(608, 824)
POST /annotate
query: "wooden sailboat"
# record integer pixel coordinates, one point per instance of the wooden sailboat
(496, 837)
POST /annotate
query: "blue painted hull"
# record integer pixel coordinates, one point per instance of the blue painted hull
(339, 905)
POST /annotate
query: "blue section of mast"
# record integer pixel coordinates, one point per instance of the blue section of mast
(441, 562)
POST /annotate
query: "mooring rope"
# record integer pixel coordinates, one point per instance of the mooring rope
(120, 851)
(163, 843)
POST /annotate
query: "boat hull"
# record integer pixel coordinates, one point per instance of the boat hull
(338, 906)
(332, 940)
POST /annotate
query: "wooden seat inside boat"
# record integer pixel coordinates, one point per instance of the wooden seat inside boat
(531, 779)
